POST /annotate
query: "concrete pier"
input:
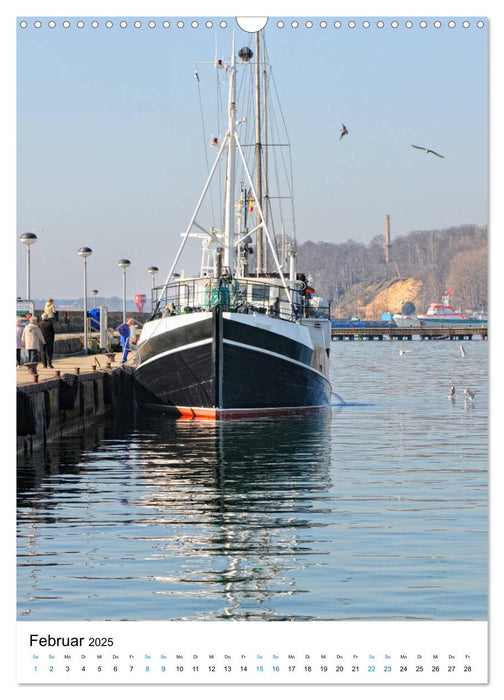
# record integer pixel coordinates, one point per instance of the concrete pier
(80, 389)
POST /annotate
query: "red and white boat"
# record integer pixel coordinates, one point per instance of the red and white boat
(444, 315)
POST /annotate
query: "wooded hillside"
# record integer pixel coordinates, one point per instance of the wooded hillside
(422, 265)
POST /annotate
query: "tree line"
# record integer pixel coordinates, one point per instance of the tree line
(455, 257)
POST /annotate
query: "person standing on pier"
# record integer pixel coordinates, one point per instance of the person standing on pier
(47, 329)
(19, 340)
(50, 309)
(124, 334)
(32, 340)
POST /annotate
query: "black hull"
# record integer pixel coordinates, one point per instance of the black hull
(224, 365)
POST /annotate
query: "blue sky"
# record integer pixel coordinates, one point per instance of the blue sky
(110, 150)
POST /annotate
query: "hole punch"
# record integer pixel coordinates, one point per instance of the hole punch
(252, 24)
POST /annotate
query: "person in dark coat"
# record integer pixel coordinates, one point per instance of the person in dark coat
(47, 327)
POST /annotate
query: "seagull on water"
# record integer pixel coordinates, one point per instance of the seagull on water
(469, 394)
(451, 393)
(427, 150)
(343, 130)
(462, 351)
(403, 352)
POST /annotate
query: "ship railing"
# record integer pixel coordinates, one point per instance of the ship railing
(236, 295)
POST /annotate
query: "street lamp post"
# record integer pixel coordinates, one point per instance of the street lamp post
(153, 270)
(124, 264)
(94, 292)
(28, 239)
(85, 253)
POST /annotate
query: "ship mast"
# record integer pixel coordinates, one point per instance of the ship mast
(264, 189)
(228, 259)
(258, 157)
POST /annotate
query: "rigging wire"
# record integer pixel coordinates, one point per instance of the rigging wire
(288, 167)
(205, 142)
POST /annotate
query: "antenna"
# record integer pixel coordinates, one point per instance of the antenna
(387, 239)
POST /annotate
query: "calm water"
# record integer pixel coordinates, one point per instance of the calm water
(376, 509)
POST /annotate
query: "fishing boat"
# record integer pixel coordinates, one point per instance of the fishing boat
(246, 335)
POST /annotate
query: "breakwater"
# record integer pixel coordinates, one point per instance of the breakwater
(46, 410)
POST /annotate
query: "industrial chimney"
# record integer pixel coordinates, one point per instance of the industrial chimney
(387, 239)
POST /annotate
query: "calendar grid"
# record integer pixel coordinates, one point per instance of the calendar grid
(313, 653)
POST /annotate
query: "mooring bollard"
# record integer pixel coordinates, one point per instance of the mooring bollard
(77, 370)
(57, 373)
(35, 378)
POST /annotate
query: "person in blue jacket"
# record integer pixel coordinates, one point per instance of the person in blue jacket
(124, 336)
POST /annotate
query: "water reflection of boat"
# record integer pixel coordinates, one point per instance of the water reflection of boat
(215, 520)
(249, 498)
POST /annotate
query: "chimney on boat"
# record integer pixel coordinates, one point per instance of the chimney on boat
(387, 239)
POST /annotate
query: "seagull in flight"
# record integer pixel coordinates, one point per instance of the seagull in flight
(427, 150)
(462, 351)
(343, 130)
